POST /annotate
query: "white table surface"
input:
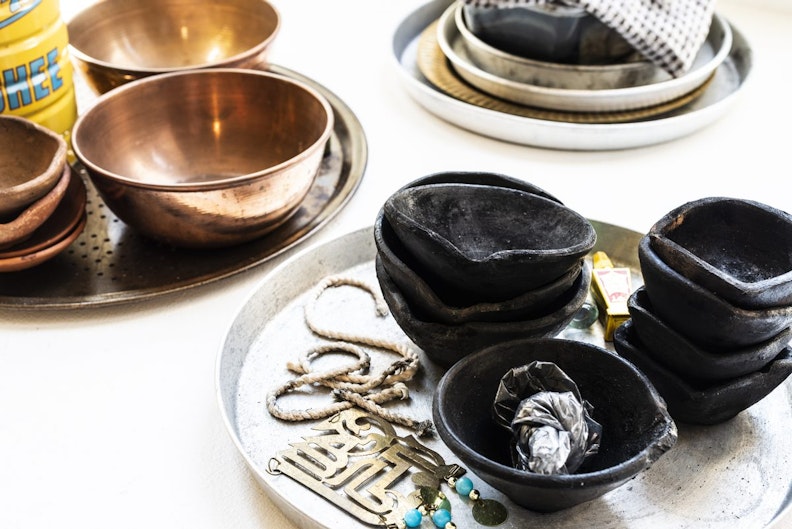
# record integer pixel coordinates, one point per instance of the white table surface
(108, 417)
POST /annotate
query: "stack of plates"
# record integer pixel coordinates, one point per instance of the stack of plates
(457, 61)
(457, 76)
(55, 234)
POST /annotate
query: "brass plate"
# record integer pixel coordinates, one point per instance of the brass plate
(109, 263)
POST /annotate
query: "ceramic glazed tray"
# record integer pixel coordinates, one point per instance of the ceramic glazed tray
(731, 476)
(490, 120)
(109, 263)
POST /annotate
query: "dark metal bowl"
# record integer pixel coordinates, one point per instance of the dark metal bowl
(636, 427)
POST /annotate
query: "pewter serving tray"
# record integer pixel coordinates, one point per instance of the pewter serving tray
(110, 263)
(731, 476)
(716, 100)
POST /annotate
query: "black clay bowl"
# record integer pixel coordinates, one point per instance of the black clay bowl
(695, 401)
(703, 317)
(636, 427)
(446, 305)
(677, 353)
(490, 242)
(741, 250)
(481, 178)
(445, 344)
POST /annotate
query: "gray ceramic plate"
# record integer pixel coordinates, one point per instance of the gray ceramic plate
(717, 99)
(731, 476)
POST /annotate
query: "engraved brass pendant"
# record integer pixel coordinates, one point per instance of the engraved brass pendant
(356, 460)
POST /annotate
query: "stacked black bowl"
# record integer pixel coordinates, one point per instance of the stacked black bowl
(711, 325)
(468, 260)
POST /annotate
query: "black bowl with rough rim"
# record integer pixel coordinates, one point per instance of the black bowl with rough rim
(445, 344)
(490, 242)
(741, 250)
(446, 305)
(682, 356)
(700, 315)
(703, 402)
(636, 427)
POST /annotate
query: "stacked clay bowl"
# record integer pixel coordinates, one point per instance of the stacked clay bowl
(711, 325)
(467, 260)
(636, 426)
(42, 205)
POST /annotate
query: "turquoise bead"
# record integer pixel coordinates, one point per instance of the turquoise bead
(463, 486)
(412, 518)
(441, 517)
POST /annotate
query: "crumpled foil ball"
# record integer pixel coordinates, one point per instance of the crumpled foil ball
(552, 427)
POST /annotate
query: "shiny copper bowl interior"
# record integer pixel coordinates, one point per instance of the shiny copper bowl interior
(117, 41)
(32, 160)
(205, 158)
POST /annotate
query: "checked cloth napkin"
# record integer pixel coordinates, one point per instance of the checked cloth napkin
(667, 32)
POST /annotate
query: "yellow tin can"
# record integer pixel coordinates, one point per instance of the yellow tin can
(36, 73)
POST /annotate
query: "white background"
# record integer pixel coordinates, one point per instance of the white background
(108, 418)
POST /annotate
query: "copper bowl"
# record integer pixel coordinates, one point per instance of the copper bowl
(205, 158)
(116, 41)
(31, 163)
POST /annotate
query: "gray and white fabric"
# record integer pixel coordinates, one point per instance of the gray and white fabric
(669, 33)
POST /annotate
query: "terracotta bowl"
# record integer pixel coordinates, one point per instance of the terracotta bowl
(491, 243)
(31, 163)
(701, 402)
(36, 214)
(636, 427)
(741, 250)
(677, 353)
(114, 42)
(445, 344)
(446, 305)
(703, 317)
(205, 158)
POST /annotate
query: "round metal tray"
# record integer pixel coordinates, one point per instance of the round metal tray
(110, 263)
(488, 118)
(730, 476)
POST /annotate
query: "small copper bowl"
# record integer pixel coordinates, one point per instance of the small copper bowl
(205, 158)
(116, 41)
(31, 163)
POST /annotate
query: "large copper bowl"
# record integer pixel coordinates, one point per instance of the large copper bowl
(205, 158)
(117, 41)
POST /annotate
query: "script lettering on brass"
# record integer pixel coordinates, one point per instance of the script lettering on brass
(357, 462)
